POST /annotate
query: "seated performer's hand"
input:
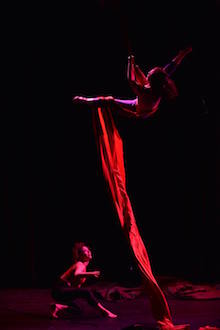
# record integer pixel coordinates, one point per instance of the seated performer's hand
(96, 273)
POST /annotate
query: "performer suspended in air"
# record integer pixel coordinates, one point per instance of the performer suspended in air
(149, 89)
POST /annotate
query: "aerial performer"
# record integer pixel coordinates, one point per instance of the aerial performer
(149, 89)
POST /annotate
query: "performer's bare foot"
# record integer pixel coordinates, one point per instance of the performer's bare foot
(56, 308)
(79, 99)
(110, 314)
(53, 311)
(168, 325)
(106, 312)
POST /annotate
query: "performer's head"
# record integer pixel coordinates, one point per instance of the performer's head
(81, 252)
(161, 84)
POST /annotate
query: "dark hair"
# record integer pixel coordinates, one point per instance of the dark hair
(161, 83)
(77, 250)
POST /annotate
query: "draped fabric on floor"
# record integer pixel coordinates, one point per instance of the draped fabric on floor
(110, 148)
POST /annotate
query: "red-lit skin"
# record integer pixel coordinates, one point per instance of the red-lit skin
(75, 277)
(149, 90)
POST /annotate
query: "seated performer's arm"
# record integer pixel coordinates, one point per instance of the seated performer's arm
(171, 67)
(140, 76)
(80, 271)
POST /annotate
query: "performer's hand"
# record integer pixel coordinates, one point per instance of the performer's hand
(182, 53)
(96, 273)
(131, 59)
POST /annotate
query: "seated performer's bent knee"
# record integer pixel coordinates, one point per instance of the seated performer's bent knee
(89, 296)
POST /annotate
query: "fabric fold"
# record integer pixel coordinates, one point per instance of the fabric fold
(110, 148)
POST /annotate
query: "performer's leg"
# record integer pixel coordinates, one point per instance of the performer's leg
(64, 301)
(61, 310)
(126, 108)
(68, 295)
(96, 101)
(91, 299)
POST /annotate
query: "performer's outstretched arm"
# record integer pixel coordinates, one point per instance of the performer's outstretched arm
(97, 101)
(134, 73)
(171, 67)
(140, 76)
(130, 68)
(135, 76)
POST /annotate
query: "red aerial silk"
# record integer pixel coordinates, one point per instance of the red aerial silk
(110, 147)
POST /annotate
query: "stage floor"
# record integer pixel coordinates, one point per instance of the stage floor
(29, 309)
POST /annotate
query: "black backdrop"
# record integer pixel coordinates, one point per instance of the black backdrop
(54, 191)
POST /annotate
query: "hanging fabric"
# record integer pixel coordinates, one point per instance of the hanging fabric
(110, 148)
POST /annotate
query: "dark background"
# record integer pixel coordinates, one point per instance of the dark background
(54, 192)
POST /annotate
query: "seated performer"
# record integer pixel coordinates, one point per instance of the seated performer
(149, 90)
(69, 285)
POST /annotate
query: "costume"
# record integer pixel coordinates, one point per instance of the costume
(64, 294)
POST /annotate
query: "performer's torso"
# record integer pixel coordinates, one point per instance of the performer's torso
(147, 102)
(70, 278)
